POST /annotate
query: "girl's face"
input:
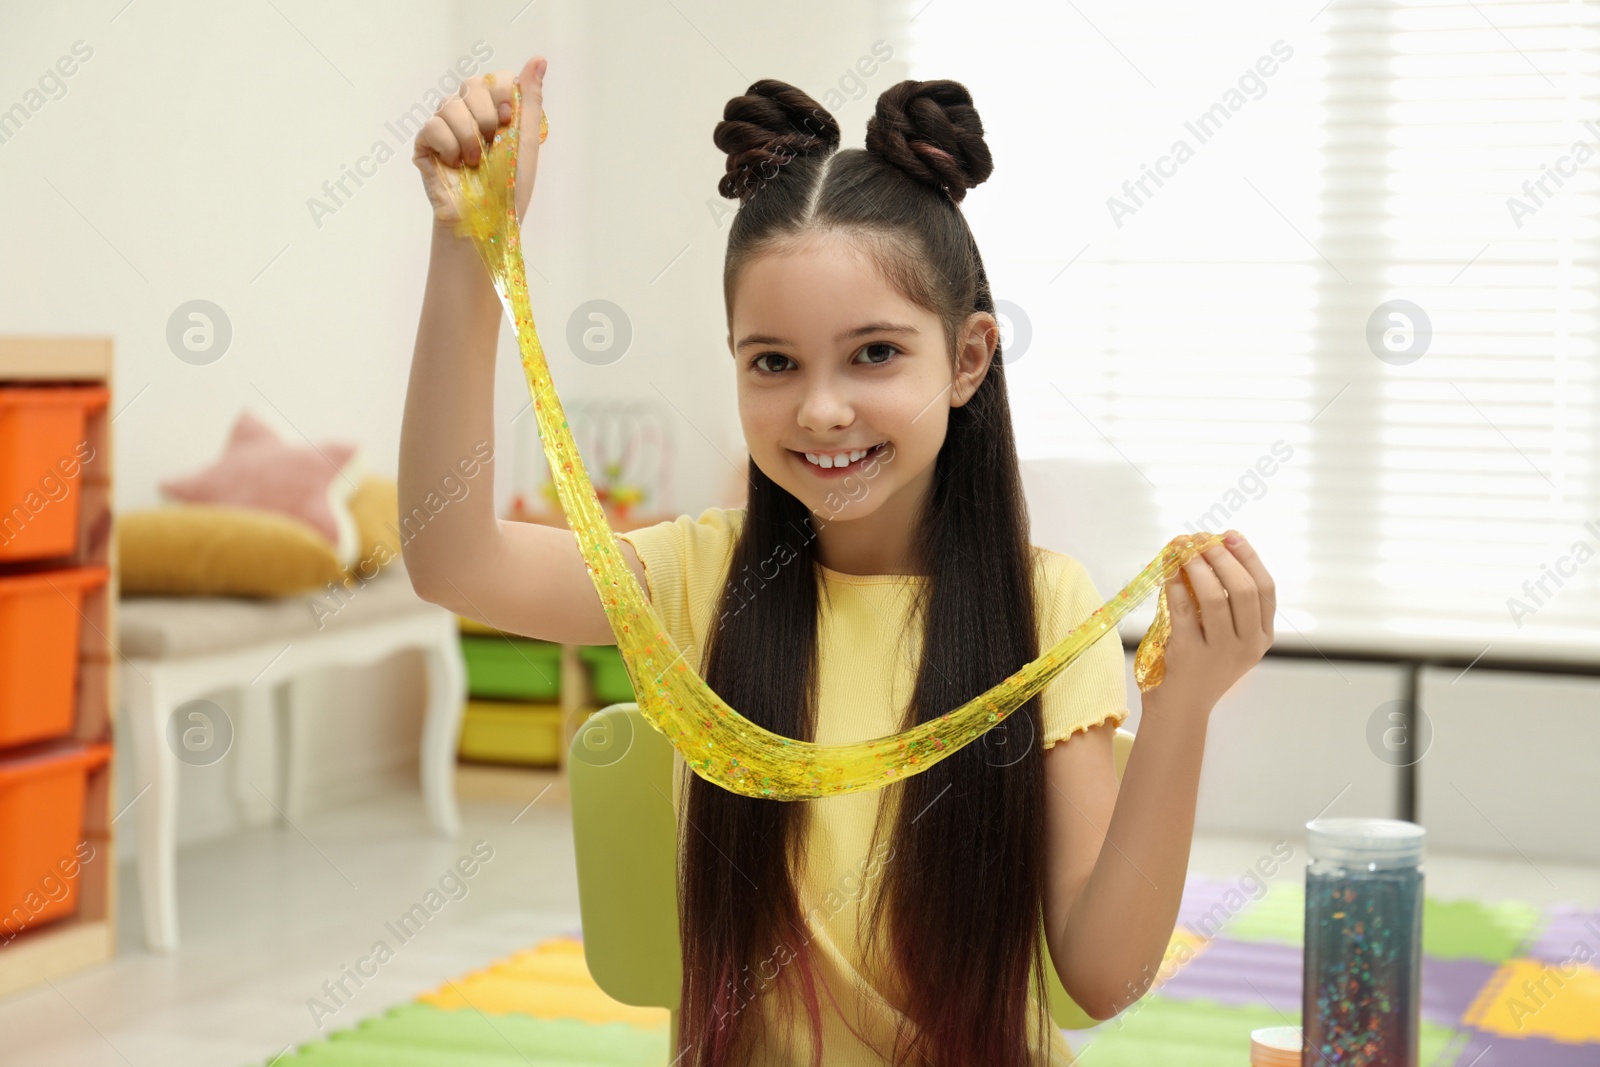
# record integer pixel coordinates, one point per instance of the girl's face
(832, 361)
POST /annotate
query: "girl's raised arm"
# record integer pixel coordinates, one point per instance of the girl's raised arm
(515, 576)
(1118, 856)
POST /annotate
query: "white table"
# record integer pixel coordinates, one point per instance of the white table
(175, 649)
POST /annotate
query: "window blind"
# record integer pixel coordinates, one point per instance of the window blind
(1260, 267)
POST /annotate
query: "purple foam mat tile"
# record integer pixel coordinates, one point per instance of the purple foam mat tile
(1200, 895)
(1494, 1050)
(1241, 974)
(1450, 986)
(1565, 928)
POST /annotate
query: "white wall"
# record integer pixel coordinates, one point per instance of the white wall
(178, 163)
(1289, 743)
(1512, 767)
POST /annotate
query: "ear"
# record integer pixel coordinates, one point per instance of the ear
(975, 347)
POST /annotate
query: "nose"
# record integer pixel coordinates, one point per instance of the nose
(825, 406)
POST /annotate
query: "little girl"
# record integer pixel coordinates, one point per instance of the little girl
(880, 575)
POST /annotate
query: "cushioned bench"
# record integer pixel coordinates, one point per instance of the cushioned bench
(176, 649)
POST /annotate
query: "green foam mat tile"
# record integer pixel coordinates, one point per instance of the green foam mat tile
(1451, 930)
(1175, 1033)
(1471, 929)
(1157, 1032)
(420, 1035)
(1278, 917)
(353, 1054)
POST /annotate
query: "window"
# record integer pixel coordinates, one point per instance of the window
(1268, 264)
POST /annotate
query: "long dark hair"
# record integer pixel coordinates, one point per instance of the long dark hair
(960, 903)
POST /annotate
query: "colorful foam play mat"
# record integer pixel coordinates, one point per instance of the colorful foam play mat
(1503, 985)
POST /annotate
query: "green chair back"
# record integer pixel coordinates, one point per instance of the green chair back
(619, 772)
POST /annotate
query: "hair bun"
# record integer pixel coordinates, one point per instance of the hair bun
(930, 130)
(771, 124)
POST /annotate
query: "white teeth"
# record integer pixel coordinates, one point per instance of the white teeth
(843, 459)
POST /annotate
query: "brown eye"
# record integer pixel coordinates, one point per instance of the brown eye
(892, 352)
(756, 362)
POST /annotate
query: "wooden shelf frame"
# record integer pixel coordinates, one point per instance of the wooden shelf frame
(88, 937)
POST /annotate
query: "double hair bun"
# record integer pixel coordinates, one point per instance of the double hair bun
(928, 129)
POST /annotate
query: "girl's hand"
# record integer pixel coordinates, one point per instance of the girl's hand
(464, 124)
(1211, 649)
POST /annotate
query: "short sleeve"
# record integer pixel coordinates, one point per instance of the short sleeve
(686, 566)
(1094, 688)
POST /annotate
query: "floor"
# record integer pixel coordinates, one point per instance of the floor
(271, 916)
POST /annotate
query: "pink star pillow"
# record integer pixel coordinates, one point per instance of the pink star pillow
(258, 470)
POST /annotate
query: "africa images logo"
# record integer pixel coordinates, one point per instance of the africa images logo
(337, 192)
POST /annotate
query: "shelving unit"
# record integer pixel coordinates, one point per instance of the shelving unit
(87, 937)
(508, 782)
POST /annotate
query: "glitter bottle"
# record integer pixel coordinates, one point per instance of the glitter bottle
(1363, 960)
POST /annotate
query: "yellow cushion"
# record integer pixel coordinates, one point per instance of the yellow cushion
(221, 550)
(376, 507)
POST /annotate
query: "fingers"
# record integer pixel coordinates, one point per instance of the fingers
(1215, 618)
(1180, 610)
(482, 108)
(531, 78)
(531, 81)
(499, 85)
(1243, 600)
(437, 136)
(456, 116)
(1266, 591)
(464, 124)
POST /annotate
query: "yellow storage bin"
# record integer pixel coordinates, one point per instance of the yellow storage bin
(511, 731)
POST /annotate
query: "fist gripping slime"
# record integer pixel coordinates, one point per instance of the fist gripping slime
(716, 742)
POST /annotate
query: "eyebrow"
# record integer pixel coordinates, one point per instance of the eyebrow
(871, 327)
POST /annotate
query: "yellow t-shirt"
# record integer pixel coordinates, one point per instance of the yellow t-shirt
(866, 672)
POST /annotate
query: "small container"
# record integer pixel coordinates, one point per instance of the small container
(43, 449)
(41, 633)
(1275, 1046)
(42, 827)
(1363, 955)
(512, 668)
(509, 731)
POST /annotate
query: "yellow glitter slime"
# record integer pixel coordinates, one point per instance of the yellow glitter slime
(716, 742)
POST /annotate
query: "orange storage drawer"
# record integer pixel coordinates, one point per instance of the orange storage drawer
(42, 844)
(42, 452)
(41, 626)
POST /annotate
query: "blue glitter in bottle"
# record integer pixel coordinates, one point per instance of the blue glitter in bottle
(1363, 958)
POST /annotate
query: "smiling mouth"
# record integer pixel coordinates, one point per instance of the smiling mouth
(867, 454)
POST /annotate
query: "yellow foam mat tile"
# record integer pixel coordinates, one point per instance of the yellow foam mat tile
(1529, 998)
(550, 981)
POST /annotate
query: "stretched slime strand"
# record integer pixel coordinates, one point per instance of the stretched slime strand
(716, 742)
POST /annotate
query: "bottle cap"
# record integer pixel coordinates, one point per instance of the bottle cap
(1275, 1046)
(1374, 843)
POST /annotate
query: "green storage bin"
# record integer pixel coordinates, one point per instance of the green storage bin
(512, 668)
(608, 674)
(511, 732)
